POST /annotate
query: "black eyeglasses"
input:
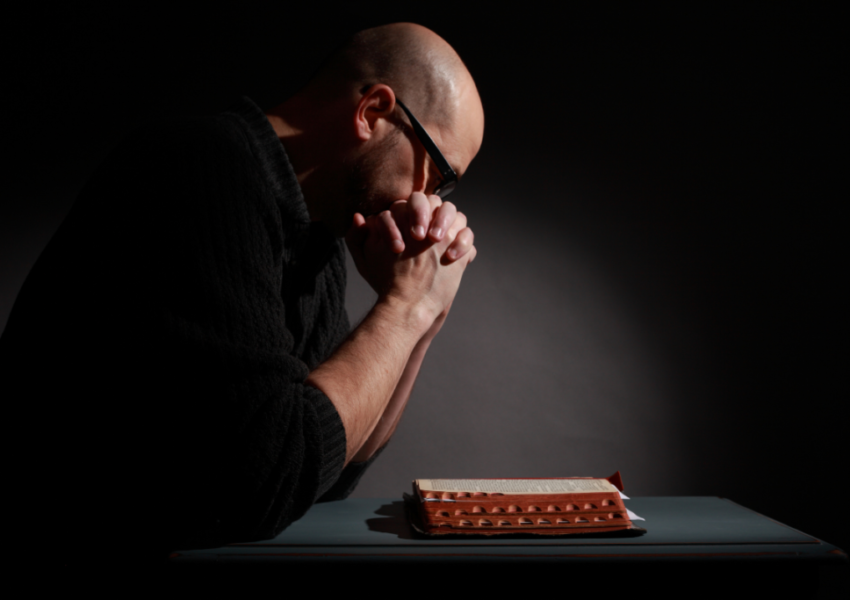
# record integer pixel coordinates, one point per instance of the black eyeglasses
(448, 174)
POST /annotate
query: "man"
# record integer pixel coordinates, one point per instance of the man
(181, 348)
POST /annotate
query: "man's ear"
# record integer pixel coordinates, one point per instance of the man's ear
(374, 111)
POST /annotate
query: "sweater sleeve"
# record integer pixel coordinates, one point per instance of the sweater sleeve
(242, 446)
(349, 479)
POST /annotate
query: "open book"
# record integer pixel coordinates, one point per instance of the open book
(556, 506)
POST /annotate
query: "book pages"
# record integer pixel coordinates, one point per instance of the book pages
(517, 486)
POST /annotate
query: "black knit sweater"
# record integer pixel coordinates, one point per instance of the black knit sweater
(159, 346)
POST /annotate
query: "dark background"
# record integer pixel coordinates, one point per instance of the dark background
(660, 280)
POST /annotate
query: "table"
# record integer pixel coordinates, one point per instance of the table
(698, 535)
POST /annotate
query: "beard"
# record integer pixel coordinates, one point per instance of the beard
(368, 171)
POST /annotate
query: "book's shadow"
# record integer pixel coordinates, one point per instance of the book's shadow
(393, 520)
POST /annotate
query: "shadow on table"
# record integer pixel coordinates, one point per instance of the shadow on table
(393, 520)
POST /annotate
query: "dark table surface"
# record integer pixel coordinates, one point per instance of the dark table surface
(679, 530)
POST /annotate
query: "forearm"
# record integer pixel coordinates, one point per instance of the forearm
(361, 377)
(391, 416)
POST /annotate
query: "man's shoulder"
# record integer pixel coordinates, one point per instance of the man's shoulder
(196, 151)
(199, 163)
(207, 135)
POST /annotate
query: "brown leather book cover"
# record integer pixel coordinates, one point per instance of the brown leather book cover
(543, 506)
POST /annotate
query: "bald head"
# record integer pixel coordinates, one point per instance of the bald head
(423, 70)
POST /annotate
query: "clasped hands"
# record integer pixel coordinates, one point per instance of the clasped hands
(416, 251)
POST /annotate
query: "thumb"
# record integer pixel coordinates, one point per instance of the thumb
(358, 232)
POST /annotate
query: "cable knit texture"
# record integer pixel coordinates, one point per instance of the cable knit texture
(162, 340)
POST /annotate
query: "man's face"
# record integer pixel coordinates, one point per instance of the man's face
(399, 165)
(369, 178)
(395, 168)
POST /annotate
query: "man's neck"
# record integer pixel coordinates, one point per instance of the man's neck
(309, 140)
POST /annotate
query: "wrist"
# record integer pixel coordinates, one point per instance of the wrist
(414, 317)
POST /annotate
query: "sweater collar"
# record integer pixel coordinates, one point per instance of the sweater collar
(275, 163)
(306, 242)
